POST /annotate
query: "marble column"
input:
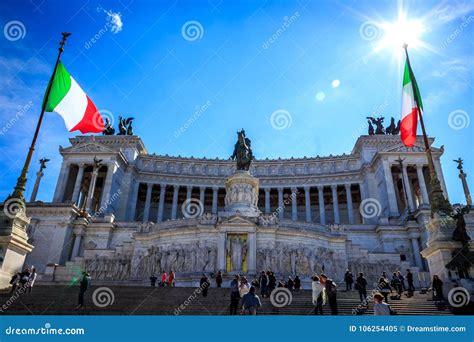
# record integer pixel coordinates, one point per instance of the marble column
(335, 204)
(221, 262)
(267, 200)
(60, 186)
(202, 194)
(161, 203)
(90, 193)
(252, 254)
(107, 188)
(146, 212)
(215, 192)
(307, 201)
(392, 200)
(294, 207)
(39, 175)
(133, 202)
(422, 183)
(77, 184)
(281, 205)
(350, 208)
(189, 192)
(322, 209)
(407, 185)
(416, 253)
(174, 206)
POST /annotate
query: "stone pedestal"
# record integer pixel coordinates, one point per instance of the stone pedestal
(14, 244)
(241, 195)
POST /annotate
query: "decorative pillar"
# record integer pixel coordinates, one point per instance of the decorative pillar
(63, 175)
(77, 184)
(146, 212)
(252, 254)
(221, 262)
(39, 175)
(161, 203)
(90, 193)
(322, 209)
(392, 200)
(350, 208)
(189, 192)
(421, 182)
(465, 187)
(214, 200)
(267, 200)
(335, 204)
(174, 207)
(104, 205)
(202, 193)
(307, 203)
(407, 184)
(133, 202)
(281, 205)
(294, 208)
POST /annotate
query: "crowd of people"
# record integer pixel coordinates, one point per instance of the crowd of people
(167, 280)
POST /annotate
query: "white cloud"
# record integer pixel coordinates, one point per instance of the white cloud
(114, 20)
(449, 12)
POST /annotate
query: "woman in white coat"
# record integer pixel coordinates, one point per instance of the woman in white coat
(31, 279)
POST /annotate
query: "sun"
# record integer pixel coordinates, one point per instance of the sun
(401, 32)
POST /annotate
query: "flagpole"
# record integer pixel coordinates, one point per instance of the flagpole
(19, 190)
(438, 201)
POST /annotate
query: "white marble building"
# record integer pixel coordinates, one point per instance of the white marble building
(138, 213)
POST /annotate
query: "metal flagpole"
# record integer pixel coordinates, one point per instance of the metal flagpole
(19, 190)
(438, 202)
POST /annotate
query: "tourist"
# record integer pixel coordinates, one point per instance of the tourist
(290, 284)
(297, 281)
(381, 308)
(348, 278)
(164, 276)
(31, 279)
(234, 295)
(402, 280)
(14, 281)
(396, 284)
(204, 284)
(24, 277)
(437, 287)
(171, 279)
(384, 276)
(331, 292)
(219, 279)
(263, 280)
(384, 288)
(250, 302)
(271, 282)
(361, 286)
(319, 296)
(411, 288)
(153, 279)
(244, 287)
(83, 287)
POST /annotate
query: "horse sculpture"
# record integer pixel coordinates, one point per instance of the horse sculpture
(125, 126)
(242, 152)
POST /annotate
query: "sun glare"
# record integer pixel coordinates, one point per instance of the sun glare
(401, 32)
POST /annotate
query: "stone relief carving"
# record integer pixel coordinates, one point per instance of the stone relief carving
(102, 268)
(299, 260)
(372, 270)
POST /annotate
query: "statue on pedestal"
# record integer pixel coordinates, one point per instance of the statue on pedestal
(242, 152)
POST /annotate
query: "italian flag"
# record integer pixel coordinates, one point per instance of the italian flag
(410, 110)
(71, 102)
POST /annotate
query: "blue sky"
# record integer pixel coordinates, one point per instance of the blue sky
(247, 60)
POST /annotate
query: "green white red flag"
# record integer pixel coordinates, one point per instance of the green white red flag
(410, 107)
(71, 102)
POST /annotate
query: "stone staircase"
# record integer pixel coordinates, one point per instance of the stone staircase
(141, 300)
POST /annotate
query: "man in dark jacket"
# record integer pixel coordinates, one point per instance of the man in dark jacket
(234, 295)
(263, 280)
(348, 280)
(361, 286)
(219, 279)
(331, 292)
(250, 302)
(83, 286)
(204, 284)
(153, 279)
(411, 287)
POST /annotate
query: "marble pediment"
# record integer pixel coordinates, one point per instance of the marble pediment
(403, 149)
(91, 147)
(238, 220)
